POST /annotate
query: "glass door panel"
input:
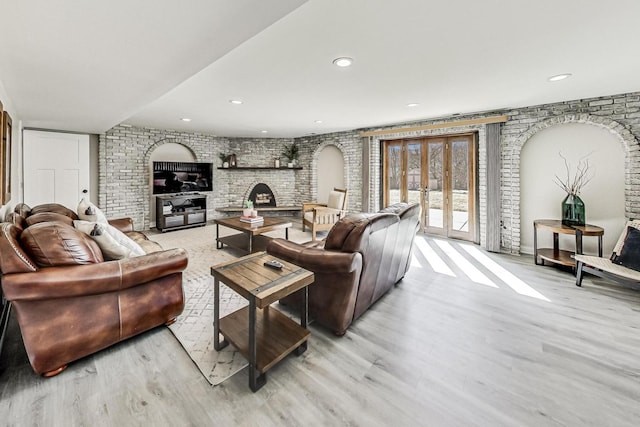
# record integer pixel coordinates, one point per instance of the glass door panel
(393, 166)
(414, 173)
(460, 185)
(434, 209)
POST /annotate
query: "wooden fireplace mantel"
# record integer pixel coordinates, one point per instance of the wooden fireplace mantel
(262, 209)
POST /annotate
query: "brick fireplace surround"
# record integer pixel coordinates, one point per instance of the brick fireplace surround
(124, 154)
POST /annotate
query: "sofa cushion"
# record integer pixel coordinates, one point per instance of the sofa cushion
(52, 244)
(113, 242)
(87, 211)
(48, 217)
(55, 208)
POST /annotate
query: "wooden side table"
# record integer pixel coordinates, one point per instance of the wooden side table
(261, 333)
(559, 256)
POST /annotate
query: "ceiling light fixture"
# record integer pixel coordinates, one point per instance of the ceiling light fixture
(343, 61)
(185, 119)
(318, 121)
(264, 131)
(559, 77)
(235, 101)
(413, 104)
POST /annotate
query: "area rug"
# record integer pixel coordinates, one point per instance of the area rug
(194, 327)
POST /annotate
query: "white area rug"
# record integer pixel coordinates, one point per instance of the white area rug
(194, 327)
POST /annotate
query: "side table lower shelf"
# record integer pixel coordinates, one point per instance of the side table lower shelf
(276, 335)
(558, 257)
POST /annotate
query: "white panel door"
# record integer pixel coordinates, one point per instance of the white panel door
(56, 168)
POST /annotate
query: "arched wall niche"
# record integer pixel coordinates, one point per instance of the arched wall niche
(173, 149)
(511, 197)
(315, 172)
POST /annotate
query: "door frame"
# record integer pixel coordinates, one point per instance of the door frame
(446, 230)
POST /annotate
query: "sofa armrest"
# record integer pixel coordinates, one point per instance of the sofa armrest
(92, 279)
(313, 259)
(122, 224)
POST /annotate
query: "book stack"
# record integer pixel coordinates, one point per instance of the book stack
(251, 219)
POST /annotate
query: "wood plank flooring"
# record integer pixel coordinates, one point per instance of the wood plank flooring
(437, 350)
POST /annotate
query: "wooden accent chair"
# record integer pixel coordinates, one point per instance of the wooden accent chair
(323, 216)
(606, 267)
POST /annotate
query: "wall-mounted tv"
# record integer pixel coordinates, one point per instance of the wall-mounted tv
(180, 177)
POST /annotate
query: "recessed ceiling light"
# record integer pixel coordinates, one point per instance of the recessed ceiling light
(184, 119)
(264, 131)
(235, 101)
(559, 77)
(318, 121)
(343, 61)
(413, 104)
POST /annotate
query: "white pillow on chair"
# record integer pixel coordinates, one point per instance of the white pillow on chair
(87, 211)
(113, 243)
(336, 200)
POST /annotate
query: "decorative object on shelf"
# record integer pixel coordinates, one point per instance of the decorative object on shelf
(291, 153)
(248, 209)
(233, 162)
(277, 163)
(225, 160)
(573, 209)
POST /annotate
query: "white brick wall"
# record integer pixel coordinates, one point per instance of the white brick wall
(125, 151)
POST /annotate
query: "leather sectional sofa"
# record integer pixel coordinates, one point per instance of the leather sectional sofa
(360, 260)
(69, 301)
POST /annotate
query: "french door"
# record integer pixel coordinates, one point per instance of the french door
(440, 174)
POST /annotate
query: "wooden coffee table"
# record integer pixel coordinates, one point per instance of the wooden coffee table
(270, 335)
(250, 238)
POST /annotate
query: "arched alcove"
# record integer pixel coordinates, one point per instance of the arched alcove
(331, 165)
(317, 173)
(164, 150)
(540, 197)
(511, 188)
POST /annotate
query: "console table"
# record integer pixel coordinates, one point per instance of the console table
(560, 256)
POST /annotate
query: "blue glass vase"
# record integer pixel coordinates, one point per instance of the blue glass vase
(573, 212)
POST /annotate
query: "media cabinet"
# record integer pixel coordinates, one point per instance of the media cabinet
(180, 210)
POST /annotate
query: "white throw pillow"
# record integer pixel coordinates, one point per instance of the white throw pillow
(336, 199)
(113, 243)
(87, 211)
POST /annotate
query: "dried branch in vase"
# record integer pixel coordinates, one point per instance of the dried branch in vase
(574, 184)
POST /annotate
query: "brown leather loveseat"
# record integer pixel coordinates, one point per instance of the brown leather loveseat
(69, 301)
(360, 260)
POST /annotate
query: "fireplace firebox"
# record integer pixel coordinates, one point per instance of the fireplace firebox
(262, 196)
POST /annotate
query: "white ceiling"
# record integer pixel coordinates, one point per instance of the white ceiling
(87, 66)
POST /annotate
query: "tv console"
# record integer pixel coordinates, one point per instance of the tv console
(180, 210)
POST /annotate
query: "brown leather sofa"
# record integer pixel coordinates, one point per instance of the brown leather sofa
(69, 301)
(359, 261)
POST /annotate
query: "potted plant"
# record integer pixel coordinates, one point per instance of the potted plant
(290, 152)
(225, 159)
(248, 209)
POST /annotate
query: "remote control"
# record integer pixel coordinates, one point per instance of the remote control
(274, 264)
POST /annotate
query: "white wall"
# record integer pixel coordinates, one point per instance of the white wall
(541, 198)
(330, 171)
(169, 152)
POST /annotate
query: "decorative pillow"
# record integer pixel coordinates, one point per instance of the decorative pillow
(629, 255)
(52, 244)
(87, 211)
(618, 247)
(336, 199)
(113, 242)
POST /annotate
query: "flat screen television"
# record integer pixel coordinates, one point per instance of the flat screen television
(181, 177)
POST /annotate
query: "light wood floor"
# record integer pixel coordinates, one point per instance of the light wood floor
(435, 351)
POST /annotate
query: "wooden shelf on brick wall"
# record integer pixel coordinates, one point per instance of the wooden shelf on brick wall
(253, 168)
